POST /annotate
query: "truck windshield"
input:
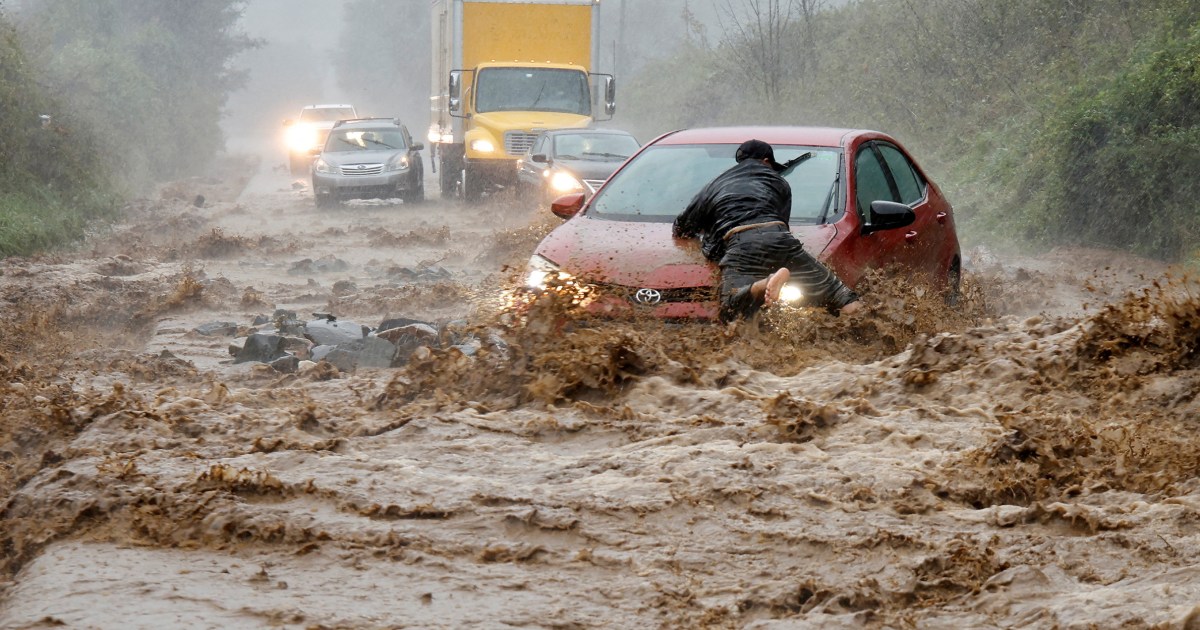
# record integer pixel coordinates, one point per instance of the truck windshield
(660, 182)
(532, 90)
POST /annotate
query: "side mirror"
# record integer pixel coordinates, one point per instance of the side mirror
(455, 90)
(888, 215)
(567, 206)
(539, 158)
(610, 95)
(419, 146)
(315, 151)
(288, 122)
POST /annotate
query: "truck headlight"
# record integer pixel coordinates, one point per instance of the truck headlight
(790, 293)
(564, 182)
(482, 146)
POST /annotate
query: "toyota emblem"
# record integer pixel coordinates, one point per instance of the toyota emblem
(648, 297)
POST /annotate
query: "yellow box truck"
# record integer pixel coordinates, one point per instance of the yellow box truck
(503, 72)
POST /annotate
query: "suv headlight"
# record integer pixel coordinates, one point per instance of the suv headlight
(398, 163)
(321, 166)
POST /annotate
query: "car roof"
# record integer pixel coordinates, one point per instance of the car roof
(807, 136)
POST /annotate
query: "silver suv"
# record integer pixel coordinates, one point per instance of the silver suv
(368, 158)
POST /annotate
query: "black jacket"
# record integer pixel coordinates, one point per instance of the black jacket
(750, 192)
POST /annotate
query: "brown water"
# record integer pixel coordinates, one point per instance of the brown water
(1027, 459)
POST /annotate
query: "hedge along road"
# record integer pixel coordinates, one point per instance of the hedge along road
(1023, 459)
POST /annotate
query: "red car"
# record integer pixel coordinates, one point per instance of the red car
(860, 202)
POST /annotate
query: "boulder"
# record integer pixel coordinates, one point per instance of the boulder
(325, 332)
(217, 329)
(261, 347)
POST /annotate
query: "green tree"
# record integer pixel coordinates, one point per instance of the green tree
(149, 76)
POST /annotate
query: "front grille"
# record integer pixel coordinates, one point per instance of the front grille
(593, 184)
(361, 169)
(518, 142)
(668, 296)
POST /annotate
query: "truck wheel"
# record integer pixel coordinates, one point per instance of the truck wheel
(472, 185)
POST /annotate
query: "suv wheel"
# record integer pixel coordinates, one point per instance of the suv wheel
(326, 201)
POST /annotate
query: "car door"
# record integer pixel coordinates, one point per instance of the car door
(926, 237)
(855, 253)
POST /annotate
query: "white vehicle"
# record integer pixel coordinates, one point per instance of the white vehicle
(308, 132)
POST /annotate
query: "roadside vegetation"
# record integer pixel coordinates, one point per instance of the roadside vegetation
(133, 89)
(1046, 121)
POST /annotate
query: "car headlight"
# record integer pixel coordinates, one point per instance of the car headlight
(790, 293)
(301, 138)
(540, 269)
(482, 146)
(398, 163)
(564, 182)
(321, 166)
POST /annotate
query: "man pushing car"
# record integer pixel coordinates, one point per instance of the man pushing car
(743, 216)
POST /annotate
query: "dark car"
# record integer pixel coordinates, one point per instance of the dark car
(368, 158)
(564, 161)
(859, 202)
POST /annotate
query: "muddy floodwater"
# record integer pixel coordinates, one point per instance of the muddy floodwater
(1028, 458)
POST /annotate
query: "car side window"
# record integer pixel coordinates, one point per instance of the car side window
(908, 182)
(871, 182)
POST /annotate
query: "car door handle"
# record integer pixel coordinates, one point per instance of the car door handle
(941, 217)
(910, 236)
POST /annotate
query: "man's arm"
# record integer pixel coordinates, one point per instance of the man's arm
(692, 220)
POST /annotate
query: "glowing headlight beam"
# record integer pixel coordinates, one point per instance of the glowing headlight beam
(790, 293)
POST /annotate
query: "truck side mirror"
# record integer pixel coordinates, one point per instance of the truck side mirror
(539, 158)
(610, 95)
(455, 90)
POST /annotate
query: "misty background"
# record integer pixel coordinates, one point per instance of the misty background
(375, 54)
(1046, 122)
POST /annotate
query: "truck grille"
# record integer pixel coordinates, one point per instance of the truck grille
(361, 169)
(518, 142)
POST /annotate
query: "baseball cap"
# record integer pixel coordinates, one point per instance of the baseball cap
(757, 150)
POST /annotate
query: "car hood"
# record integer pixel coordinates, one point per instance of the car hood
(643, 254)
(589, 169)
(359, 157)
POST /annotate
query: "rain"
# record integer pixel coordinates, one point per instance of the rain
(237, 391)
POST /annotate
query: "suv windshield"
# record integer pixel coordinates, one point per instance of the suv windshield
(364, 140)
(662, 180)
(326, 114)
(532, 90)
(594, 146)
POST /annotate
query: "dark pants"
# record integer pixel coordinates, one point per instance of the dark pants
(753, 255)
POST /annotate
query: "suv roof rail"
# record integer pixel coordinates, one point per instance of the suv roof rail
(395, 121)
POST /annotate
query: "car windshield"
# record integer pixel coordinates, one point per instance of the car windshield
(662, 180)
(601, 147)
(326, 114)
(364, 140)
(532, 90)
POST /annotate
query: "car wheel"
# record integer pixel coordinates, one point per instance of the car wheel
(326, 201)
(415, 196)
